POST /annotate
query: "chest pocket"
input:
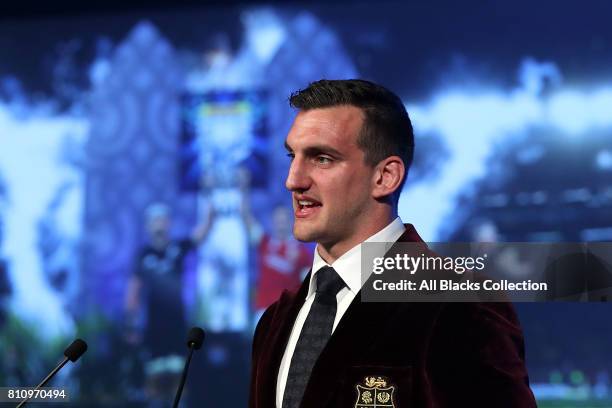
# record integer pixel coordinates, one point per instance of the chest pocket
(370, 386)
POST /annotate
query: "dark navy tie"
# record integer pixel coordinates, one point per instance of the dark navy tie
(315, 333)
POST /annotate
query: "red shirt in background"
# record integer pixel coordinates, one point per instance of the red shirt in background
(281, 263)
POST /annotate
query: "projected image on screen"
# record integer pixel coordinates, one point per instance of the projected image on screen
(221, 155)
(221, 131)
(110, 127)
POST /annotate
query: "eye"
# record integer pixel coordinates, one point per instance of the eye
(291, 155)
(323, 160)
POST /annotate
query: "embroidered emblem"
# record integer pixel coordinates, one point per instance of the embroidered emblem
(374, 393)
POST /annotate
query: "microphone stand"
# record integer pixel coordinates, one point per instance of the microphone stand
(46, 380)
(177, 398)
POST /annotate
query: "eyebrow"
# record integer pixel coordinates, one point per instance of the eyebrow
(317, 149)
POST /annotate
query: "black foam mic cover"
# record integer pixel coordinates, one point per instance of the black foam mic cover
(195, 338)
(75, 350)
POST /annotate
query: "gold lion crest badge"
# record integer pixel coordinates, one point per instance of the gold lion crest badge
(374, 393)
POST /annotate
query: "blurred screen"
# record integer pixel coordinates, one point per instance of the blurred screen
(142, 175)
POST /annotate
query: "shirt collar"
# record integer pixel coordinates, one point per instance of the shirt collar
(348, 266)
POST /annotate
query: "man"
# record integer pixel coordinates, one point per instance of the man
(351, 145)
(157, 282)
(282, 261)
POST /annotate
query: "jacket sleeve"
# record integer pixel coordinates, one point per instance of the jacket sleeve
(477, 357)
(258, 341)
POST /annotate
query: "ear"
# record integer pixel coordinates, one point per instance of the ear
(388, 176)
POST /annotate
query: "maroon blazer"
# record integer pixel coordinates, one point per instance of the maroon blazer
(429, 354)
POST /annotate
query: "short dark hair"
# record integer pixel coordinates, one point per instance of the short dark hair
(386, 131)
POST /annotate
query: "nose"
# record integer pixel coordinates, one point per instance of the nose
(298, 178)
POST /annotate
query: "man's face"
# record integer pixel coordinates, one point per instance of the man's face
(330, 182)
(159, 227)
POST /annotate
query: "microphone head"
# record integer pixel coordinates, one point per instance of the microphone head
(195, 338)
(75, 350)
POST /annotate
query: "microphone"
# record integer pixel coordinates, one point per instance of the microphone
(195, 338)
(72, 353)
(75, 350)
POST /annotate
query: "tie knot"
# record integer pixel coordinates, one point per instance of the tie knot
(329, 282)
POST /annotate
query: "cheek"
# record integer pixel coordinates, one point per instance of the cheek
(347, 189)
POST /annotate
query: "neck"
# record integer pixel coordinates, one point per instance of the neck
(330, 252)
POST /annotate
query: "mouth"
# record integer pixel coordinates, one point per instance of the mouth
(306, 207)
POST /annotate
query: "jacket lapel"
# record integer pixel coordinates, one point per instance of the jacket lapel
(289, 305)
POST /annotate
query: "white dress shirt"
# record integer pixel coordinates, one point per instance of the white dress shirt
(348, 266)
